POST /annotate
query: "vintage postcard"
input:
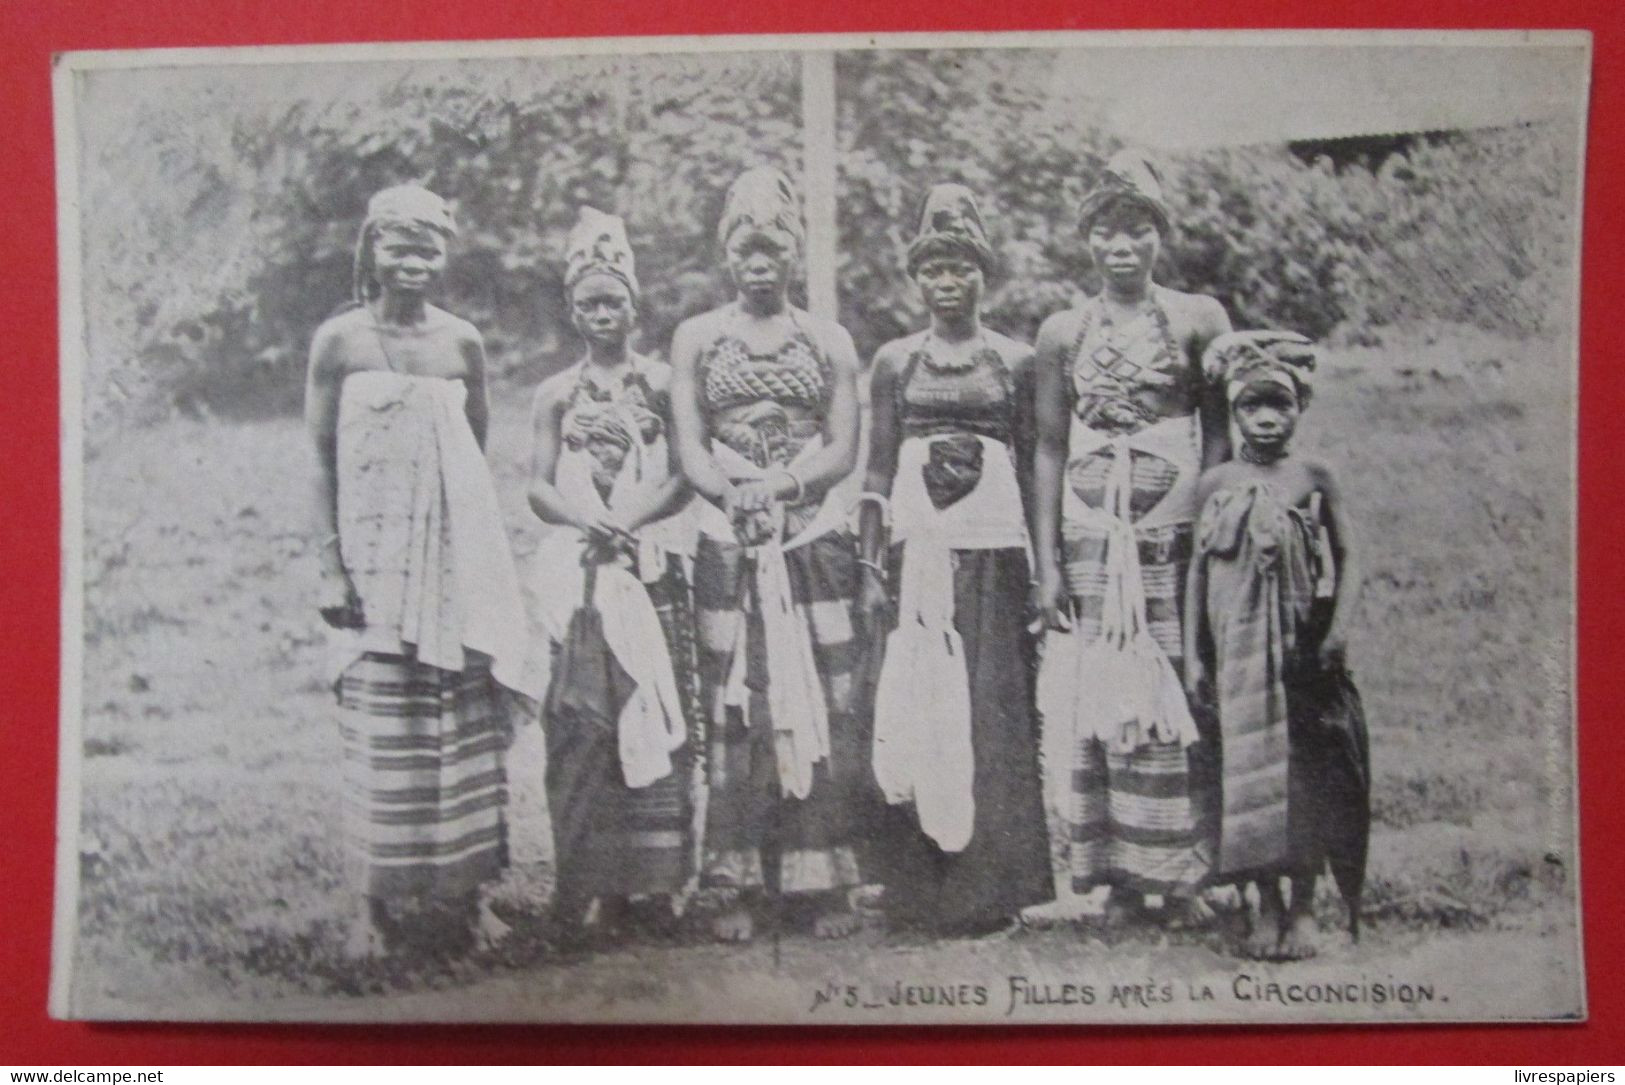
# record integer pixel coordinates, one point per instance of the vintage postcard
(1048, 528)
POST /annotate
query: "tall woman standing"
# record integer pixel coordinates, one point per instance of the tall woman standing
(1124, 429)
(416, 563)
(765, 409)
(616, 601)
(961, 844)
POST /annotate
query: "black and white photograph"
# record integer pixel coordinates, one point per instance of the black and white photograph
(1052, 528)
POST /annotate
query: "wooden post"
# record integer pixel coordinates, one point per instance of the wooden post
(819, 170)
(818, 167)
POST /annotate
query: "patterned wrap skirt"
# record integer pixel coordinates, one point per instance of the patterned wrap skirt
(1139, 820)
(610, 839)
(423, 783)
(755, 835)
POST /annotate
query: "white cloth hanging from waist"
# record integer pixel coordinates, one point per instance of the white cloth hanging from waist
(422, 534)
(650, 725)
(1177, 440)
(922, 730)
(1120, 687)
(795, 693)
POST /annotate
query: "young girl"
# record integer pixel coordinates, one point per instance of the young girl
(1125, 425)
(960, 843)
(415, 562)
(765, 416)
(1266, 628)
(615, 602)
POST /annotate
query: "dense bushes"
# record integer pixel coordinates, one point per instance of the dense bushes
(219, 225)
(1471, 227)
(220, 234)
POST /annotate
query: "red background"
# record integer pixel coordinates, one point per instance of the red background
(31, 31)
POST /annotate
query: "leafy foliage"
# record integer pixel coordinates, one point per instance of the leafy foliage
(1469, 228)
(221, 214)
(234, 236)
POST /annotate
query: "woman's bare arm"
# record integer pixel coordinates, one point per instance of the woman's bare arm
(478, 404)
(339, 605)
(1345, 556)
(1052, 417)
(324, 379)
(883, 445)
(1195, 632)
(690, 439)
(1023, 364)
(546, 428)
(839, 456)
(1212, 322)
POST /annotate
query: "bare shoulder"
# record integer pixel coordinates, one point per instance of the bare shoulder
(707, 321)
(1322, 476)
(831, 335)
(461, 331)
(1016, 355)
(552, 393)
(1202, 312)
(655, 371)
(342, 325)
(695, 329)
(1059, 329)
(330, 345)
(1215, 478)
(1188, 303)
(893, 355)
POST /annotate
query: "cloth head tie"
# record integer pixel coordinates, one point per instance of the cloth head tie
(1131, 178)
(411, 207)
(764, 198)
(951, 225)
(1238, 359)
(598, 245)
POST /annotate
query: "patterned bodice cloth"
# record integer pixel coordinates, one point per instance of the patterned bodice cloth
(971, 847)
(612, 837)
(1135, 443)
(596, 418)
(1135, 818)
(767, 406)
(763, 409)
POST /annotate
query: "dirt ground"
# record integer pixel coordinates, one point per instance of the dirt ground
(210, 862)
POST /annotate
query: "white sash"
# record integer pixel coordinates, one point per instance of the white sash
(795, 693)
(1120, 687)
(454, 508)
(922, 741)
(650, 725)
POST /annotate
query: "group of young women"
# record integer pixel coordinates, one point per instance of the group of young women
(755, 676)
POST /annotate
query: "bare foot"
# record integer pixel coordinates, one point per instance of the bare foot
(1301, 938)
(1189, 912)
(1263, 941)
(836, 921)
(489, 930)
(734, 925)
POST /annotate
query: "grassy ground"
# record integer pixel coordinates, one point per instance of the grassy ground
(209, 857)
